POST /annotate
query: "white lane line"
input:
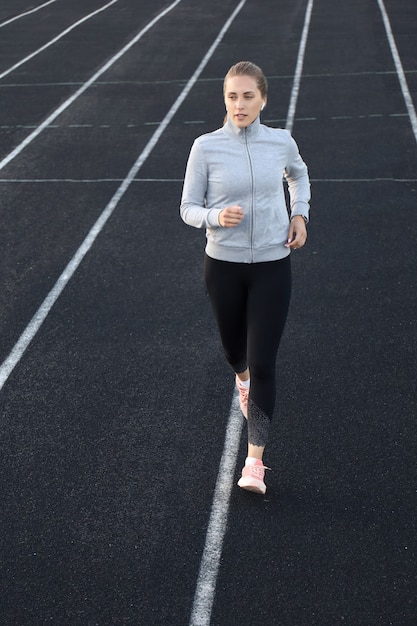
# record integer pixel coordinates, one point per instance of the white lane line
(88, 180)
(199, 122)
(9, 181)
(17, 17)
(39, 317)
(400, 71)
(55, 39)
(209, 566)
(84, 87)
(203, 80)
(299, 68)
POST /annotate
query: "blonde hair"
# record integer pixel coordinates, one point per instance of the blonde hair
(247, 68)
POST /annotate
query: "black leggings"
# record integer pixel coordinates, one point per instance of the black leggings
(250, 303)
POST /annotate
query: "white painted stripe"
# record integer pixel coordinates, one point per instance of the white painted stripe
(400, 71)
(206, 584)
(84, 87)
(299, 68)
(380, 179)
(202, 80)
(363, 180)
(209, 566)
(198, 122)
(55, 39)
(17, 17)
(88, 180)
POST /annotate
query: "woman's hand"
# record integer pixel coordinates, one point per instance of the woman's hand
(231, 216)
(297, 234)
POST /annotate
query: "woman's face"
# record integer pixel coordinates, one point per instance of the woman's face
(243, 100)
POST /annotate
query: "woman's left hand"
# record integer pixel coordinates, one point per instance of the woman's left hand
(297, 234)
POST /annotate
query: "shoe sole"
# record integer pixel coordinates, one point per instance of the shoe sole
(251, 484)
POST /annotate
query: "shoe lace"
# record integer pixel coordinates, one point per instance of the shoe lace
(244, 394)
(258, 470)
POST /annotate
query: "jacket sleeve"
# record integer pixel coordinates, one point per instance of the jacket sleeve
(296, 174)
(193, 207)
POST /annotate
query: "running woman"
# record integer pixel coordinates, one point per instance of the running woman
(233, 188)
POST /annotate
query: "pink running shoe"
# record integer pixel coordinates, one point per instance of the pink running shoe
(243, 397)
(253, 478)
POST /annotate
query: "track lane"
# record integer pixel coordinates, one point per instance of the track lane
(335, 535)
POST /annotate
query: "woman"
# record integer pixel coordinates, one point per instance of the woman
(233, 187)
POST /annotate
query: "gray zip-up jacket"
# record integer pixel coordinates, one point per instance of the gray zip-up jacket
(245, 166)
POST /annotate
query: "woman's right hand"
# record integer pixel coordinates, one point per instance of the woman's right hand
(231, 216)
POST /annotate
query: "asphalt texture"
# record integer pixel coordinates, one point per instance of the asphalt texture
(113, 419)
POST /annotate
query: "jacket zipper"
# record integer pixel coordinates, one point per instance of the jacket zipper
(251, 220)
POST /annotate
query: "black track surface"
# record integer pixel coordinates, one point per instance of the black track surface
(113, 421)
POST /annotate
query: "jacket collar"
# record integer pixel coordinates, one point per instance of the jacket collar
(249, 132)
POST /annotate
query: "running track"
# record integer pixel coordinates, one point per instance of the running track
(121, 442)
